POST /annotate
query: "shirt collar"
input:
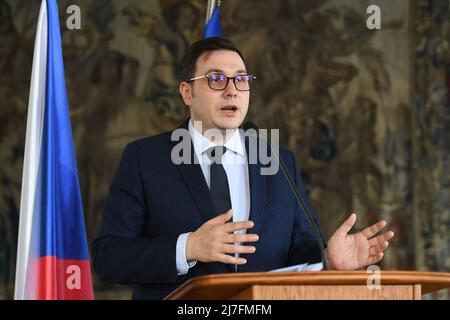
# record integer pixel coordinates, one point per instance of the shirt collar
(201, 144)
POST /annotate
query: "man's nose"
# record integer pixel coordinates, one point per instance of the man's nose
(230, 90)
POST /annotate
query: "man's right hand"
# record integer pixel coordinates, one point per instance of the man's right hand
(215, 239)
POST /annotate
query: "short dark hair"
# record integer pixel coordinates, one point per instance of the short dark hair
(196, 49)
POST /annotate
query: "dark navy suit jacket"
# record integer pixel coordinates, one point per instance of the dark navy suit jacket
(152, 201)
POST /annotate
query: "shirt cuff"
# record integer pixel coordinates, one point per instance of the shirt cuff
(182, 264)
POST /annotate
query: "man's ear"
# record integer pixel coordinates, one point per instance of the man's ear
(186, 92)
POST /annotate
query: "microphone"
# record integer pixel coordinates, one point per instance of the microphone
(250, 125)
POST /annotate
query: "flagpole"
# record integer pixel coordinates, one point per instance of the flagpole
(213, 26)
(212, 4)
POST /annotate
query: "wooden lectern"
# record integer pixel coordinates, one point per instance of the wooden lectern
(324, 285)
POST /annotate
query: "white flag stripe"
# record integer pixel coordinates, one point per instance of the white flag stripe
(35, 119)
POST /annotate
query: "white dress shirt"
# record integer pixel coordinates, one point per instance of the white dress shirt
(234, 162)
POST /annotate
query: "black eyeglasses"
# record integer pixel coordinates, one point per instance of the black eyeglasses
(219, 82)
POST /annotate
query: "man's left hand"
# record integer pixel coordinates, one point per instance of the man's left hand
(354, 251)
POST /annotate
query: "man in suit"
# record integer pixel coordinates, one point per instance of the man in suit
(167, 221)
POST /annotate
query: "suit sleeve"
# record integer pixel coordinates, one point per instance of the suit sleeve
(304, 247)
(120, 254)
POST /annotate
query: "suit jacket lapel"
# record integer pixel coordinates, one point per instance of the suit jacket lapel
(257, 189)
(192, 176)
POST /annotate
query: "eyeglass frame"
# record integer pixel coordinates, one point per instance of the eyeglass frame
(228, 81)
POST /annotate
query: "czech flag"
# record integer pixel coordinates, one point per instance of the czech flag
(52, 255)
(213, 28)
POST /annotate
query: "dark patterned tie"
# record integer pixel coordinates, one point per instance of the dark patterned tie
(220, 191)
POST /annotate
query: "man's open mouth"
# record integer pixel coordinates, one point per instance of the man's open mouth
(229, 108)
